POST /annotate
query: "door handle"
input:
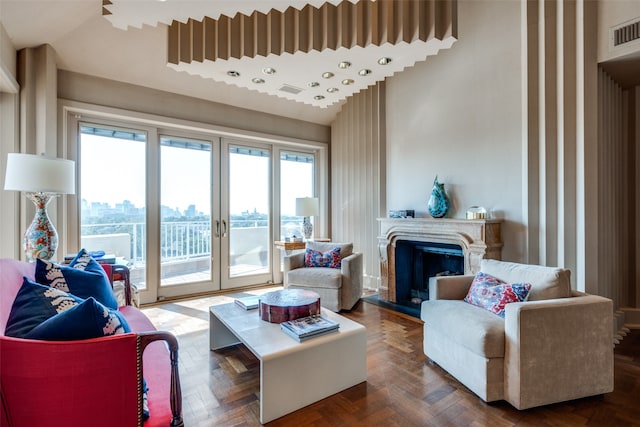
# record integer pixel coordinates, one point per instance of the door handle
(217, 228)
(224, 228)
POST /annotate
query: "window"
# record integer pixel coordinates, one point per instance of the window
(113, 195)
(296, 180)
(185, 210)
(249, 211)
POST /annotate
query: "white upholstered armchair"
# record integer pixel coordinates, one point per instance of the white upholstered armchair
(555, 346)
(339, 287)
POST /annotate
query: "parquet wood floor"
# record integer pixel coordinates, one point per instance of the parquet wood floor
(402, 389)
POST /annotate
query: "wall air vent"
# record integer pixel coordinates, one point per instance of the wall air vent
(290, 89)
(624, 33)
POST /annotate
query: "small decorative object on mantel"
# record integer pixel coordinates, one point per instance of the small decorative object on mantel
(407, 213)
(476, 212)
(438, 202)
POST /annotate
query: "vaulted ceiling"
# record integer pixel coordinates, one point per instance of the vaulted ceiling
(292, 58)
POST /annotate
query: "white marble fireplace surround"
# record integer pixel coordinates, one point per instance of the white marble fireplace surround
(478, 239)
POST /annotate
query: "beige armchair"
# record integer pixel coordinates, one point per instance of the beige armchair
(553, 347)
(339, 288)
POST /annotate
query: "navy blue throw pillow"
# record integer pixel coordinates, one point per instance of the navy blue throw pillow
(35, 303)
(89, 319)
(83, 277)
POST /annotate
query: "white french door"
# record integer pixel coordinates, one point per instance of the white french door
(246, 225)
(215, 225)
(189, 206)
(113, 194)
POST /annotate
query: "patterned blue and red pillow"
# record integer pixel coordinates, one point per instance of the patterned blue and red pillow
(83, 277)
(330, 259)
(46, 313)
(493, 294)
(66, 303)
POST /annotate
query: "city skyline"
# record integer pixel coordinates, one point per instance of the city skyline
(126, 207)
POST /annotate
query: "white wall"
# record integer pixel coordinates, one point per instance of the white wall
(459, 116)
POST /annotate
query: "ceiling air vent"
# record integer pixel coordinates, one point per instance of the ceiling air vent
(290, 89)
(626, 33)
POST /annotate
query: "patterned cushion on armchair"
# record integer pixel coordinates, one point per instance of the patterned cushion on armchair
(339, 287)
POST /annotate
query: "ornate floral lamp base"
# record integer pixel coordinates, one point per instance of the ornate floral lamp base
(307, 228)
(41, 238)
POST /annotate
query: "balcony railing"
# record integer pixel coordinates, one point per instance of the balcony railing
(124, 239)
(180, 241)
(185, 240)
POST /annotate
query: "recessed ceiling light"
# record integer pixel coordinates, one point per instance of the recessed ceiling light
(384, 60)
(364, 72)
(347, 82)
(333, 90)
(257, 80)
(233, 73)
(269, 70)
(344, 64)
(318, 97)
(327, 75)
(314, 84)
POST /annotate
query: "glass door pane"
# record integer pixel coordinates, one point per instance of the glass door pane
(113, 196)
(296, 180)
(185, 214)
(246, 235)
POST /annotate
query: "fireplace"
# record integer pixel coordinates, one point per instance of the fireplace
(417, 261)
(440, 246)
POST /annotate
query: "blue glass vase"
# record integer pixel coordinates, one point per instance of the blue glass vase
(438, 202)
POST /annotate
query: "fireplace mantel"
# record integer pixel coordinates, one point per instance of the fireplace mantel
(478, 238)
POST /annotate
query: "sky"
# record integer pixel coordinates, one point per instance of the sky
(113, 170)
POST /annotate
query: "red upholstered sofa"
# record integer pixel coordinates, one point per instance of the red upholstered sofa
(94, 382)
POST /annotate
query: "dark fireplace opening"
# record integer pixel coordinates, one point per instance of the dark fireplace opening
(417, 261)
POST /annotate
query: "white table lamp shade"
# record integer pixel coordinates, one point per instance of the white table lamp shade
(33, 173)
(307, 206)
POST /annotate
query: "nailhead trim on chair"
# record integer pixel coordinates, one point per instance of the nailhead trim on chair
(139, 377)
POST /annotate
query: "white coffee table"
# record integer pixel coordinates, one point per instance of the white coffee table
(292, 374)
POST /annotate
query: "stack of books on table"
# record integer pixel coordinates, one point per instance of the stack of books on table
(308, 327)
(248, 303)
